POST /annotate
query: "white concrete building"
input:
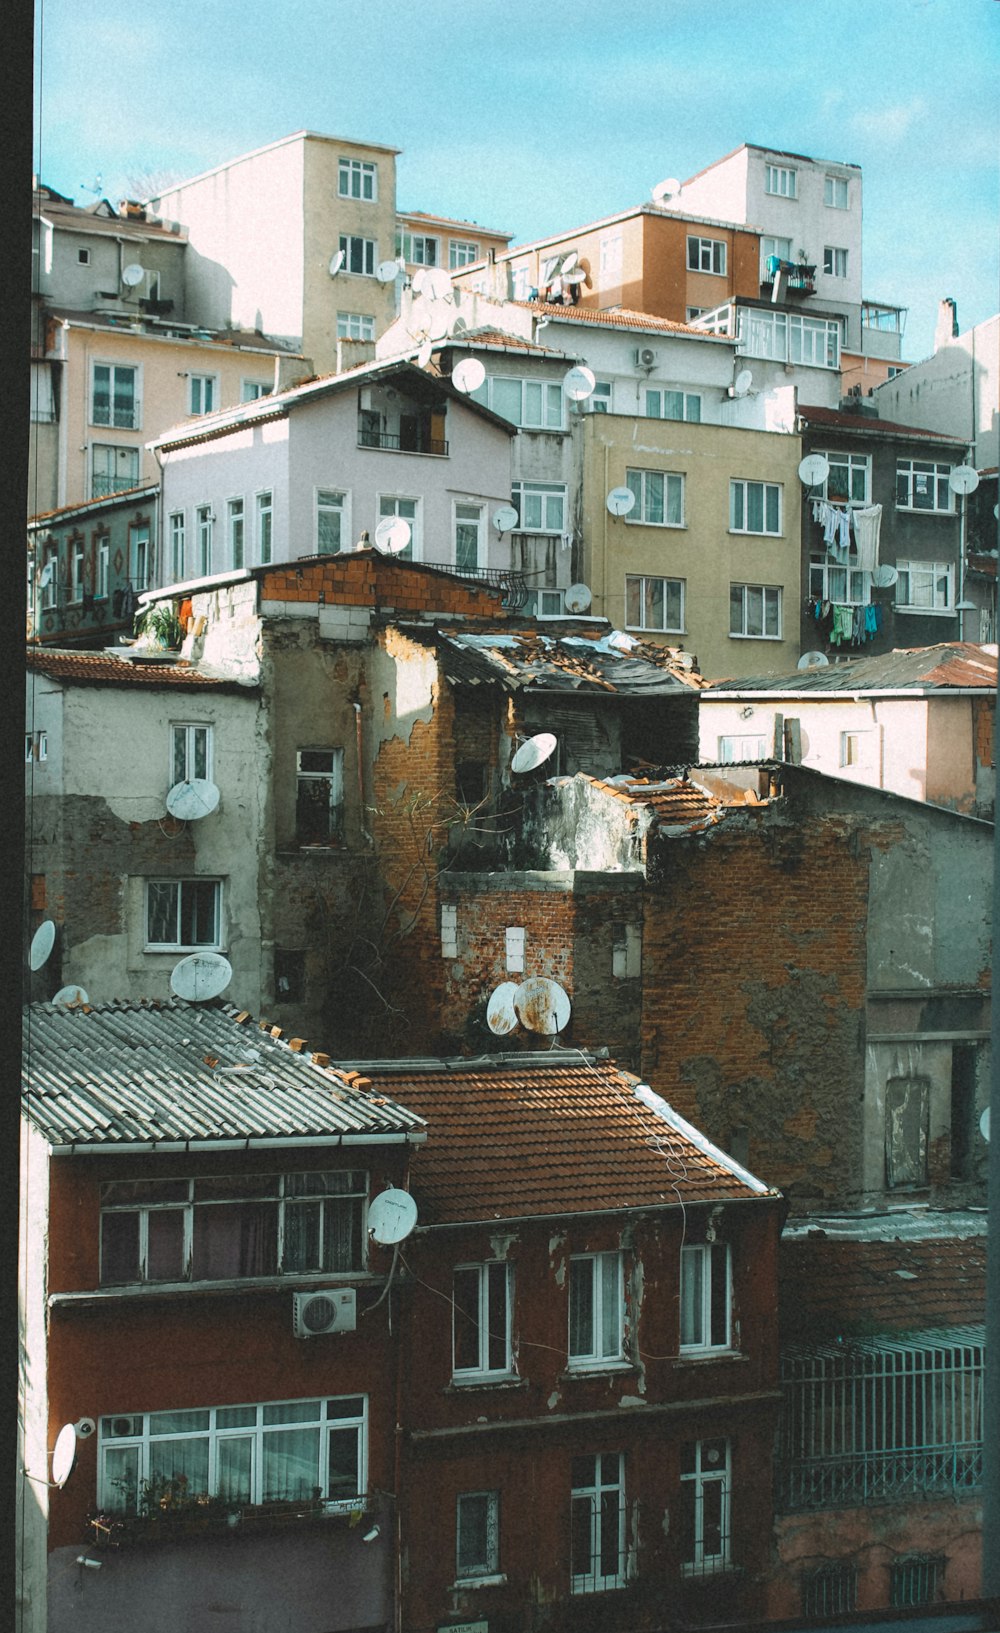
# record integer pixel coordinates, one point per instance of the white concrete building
(957, 390)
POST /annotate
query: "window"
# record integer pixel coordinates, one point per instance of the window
(176, 526)
(655, 603)
(597, 1530)
(834, 261)
(748, 746)
(772, 249)
(48, 578)
(115, 397)
(409, 509)
(76, 571)
(102, 584)
(849, 478)
(535, 405)
(544, 603)
(829, 581)
(252, 390)
(673, 405)
(921, 485)
(232, 1227)
(113, 469)
(854, 748)
(915, 1581)
(626, 951)
(754, 507)
(925, 586)
(43, 402)
(319, 797)
(611, 253)
(417, 248)
(521, 283)
(138, 556)
(282, 1451)
(357, 178)
(704, 1502)
(835, 192)
(205, 523)
(707, 255)
(36, 748)
(694, 312)
(469, 522)
(779, 180)
(462, 252)
(477, 1534)
(83, 257)
(449, 926)
(833, 1589)
(705, 1296)
(659, 498)
(599, 401)
(540, 506)
(190, 752)
(331, 523)
(359, 254)
(183, 913)
(204, 388)
(355, 326)
(907, 1122)
(237, 532)
(481, 1321)
(788, 337)
(29, 747)
(265, 527)
(755, 611)
(596, 1309)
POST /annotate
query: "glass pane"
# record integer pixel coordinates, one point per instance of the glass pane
(584, 1472)
(582, 1539)
(235, 1417)
(328, 531)
(466, 1318)
(654, 496)
(472, 1533)
(346, 1406)
(292, 1412)
(198, 920)
(184, 1463)
(119, 1247)
(754, 609)
(180, 754)
(713, 1492)
(720, 1294)
(200, 743)
(611, 1304)
(653, 610)
(497, 1316)
(581, 1307)
(772, 612)
(239, 1239)
(609, 1533)
(343, 1466)
(165, 1253)
(736, 609)
(178, 1423)
(291, 1464)
(161, 911)
(121, 1478)
(675, 500)
(234, 1456)
(532, 402)
(302, 1236)
(633, 601)
(755, 507)
(771, 495)
(507, 399)
(736, 506)
(102, 395)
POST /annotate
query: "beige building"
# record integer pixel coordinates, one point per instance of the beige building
(707, 557)
(437, 241)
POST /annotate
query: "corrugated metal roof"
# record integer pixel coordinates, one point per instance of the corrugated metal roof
(134, 1074)
(918, 669)
(520, 659)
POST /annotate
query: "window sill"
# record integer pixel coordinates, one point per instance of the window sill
(499, 1380)
(699, 1357)
(733, 636)
(749, 533)
(93, 1298)
(637, 629)
(671, 527)
(598, 1369)
(159, 950)
(923, 510)
(466, 1582)
(925, 612)
(710, 1570)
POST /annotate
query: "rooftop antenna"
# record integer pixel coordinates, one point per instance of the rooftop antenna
(96, 186)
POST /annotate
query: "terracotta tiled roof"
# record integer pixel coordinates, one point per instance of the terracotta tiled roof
(124, 495)
(620, 318)
(875, 427)
(102, 668)
(536, 1136)
(495, 337)
(829, 1285)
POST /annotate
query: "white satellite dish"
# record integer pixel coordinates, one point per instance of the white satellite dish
(193, 799)
(64, 1454)
(505, 518)
(501, 1017)
(392, 535)
(45, 576)
(813, 660)
(963, 479)
(468, 375)
(579, 383)
(336, 263)
(884, 576)
(813, 470)
(620, 501)
(201, 976)
(133, 274)
(577, 598)
(387, 272)
(418, 280)
(69, 998)
(42, 943)
(542, 1006)
(437, 283)
(666, 189)
(424, 354)
(984, 1124)
(569, 264)
(575, 275)
(391, 1216)
(534, 752)
(741, 385)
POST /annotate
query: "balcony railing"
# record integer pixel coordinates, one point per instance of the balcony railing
(510, 583)
(882, 1476)
(103, 486)
(395, 443)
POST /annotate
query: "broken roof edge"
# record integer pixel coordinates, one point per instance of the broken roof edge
(662, 1109)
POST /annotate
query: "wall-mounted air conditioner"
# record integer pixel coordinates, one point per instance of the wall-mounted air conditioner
(645, 357)
(314, 1314)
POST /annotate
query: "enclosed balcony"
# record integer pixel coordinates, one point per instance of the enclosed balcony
(399, 422)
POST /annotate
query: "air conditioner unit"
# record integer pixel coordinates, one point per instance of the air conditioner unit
(316, 1313)
(645, 357)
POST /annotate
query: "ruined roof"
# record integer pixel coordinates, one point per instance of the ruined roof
(63, 213)
(673, 803)
(954, 665)
(107, 669)
(176, 1075)
(545, 1135)
(521, 660)
(868, 423)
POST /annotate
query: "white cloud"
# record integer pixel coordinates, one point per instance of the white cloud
(890, 124)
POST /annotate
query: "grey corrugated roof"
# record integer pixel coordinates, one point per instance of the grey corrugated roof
(137, 1074)
(565, 663)
(954, 665)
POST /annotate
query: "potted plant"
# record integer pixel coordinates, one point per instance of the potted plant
(159, 626)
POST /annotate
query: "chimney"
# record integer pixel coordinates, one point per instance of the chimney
(946, 327)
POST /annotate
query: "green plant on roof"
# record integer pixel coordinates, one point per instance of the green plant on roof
(159, 625)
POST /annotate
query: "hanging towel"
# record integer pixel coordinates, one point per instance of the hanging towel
(867, 526)
(843, 625)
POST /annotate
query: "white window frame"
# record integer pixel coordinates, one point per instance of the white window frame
(354, 247)
(521, 283)
(767, 592)
(707, 255)
(355, 326)
(327, 503)
(116, 420)
(831, 580)
(191, 742)
(236, 531)
(646, 582)
(205, 525)
(137, 1450)
(787, 337)
(264, 526)
(917, 476)
(706, 1321)
(469, 520)
(942, 604)
(738, 748)
(693, 313)
(835, 192)
(540, 405)
(102, 577)
(203, 390)
(76, 558)
(592, 1494)
(415, 549)
(462, 252)
(855, 748)
(781, 181)
(309, 777)
(493, 1282)
(774, 244)
(488, 1565)
(640, 482)
(834, 261)
(661, 398)
(357, 179)
(551, 503)
(601, 398)
(740, 488)
(626, 950)
(110, 479)
(603, 1276)
(177, 523)
(50, 590)
(418, 248)
(251, 391)
(853, 466)
(183, 886)
(696, 1480)
(140, 555)
(545, 602)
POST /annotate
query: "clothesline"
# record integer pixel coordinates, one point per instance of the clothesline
(837, 522)
(848, 623)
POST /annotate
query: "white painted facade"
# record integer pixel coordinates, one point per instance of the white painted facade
(956, 391)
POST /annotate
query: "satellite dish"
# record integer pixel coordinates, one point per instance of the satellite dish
(579, 383)
(505, 518)
(132, 274)
(64, 1454)
(575, 275)
(190, 800)
(392, 535)
(884, 576)
(534, 752)
(741, 385)
(201, 976)
(666, 189)
(42, 943)
(569, 265)
(577, 598)
(813, 660)
(437, 283)
(813, 470)
(984, 1124)
(418, 280)
(424, 354)
(620, 501)
(963, 479)
(468, 375)
(69, 998)
(391, 1216)
(336, 263)
(45, 576)
(542, 1006)
(501, 1017)
(387, 272)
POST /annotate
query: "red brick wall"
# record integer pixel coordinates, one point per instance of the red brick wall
(368, 579)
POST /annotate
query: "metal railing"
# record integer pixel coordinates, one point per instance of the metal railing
(395, 443)
(511, 584)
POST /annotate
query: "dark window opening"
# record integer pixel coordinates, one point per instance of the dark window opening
(289, 976)
(963, 1109)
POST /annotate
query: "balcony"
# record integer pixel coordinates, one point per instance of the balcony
(798, 277)
(407, 440)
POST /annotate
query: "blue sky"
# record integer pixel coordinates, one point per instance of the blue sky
(534, 118)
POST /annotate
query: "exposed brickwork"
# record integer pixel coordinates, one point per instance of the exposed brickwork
(366, 578)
